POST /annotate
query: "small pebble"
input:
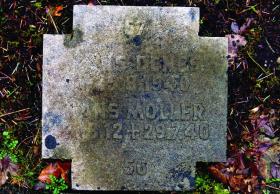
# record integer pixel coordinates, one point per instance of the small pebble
(278, 60)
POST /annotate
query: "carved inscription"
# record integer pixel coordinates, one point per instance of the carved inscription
(143, 108)
(152, 121)
(161, 132)
(176, 111)
(165, 73)
(141, 96)
(134, 167)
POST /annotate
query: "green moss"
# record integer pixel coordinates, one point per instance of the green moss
(72, 40)
(61, 153)
(204, 184)
(56, 185)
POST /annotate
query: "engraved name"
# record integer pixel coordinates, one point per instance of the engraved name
(150, 111)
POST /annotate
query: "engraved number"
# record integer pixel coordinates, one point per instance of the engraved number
(117, 131)
(148, 132)
(135, 168)
(172, 133)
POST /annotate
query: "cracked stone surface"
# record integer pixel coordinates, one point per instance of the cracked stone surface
(134, 97)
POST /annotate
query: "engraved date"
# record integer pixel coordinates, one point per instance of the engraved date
(132, 131)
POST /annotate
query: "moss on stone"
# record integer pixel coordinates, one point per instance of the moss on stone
(61, 153)
(72, 40)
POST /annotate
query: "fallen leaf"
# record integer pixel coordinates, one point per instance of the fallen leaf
(234, 174)
(64, 168)
(39, 186)
(58, 169)
(6, 168)
(51, 169)
(264, 146)
(262, 122)
(54, 11)
(234, 27)
(234, 42)
(57, 10)
(236, 182)
(216, 171)
(263, 168)
(244, 27)
(275, 170)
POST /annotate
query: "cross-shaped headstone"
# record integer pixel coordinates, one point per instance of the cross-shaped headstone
(134, 97)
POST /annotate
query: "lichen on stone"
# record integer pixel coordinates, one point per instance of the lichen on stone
(72, 40)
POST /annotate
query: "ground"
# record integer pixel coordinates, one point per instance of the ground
(253, 98)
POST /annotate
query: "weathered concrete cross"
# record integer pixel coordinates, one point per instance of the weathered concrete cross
(134, 97)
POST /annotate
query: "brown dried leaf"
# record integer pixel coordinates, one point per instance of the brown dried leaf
(236, 182)
(6, 168)
(57, 169)
(54, 11)
(216, 172)
(51, 169)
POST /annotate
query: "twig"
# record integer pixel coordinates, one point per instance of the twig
(227, 4)
(65, 21)
(269, 45)
(15, 68)
(12, 92)
(53, 22)
(264, 77)
(10, 113)
(35, 139)
(37, 16)
(23, 141)
(230, 133)
(3, 78)
(6, 76)
(266, 98)
(257, 63)
(240, 102)
(276, 188)
(4, 49)
(14, 122)
(276, 130)
(275, 8)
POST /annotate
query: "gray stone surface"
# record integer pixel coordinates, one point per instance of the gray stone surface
(134, 97)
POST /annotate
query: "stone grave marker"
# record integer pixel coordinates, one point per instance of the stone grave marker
(134, 97)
